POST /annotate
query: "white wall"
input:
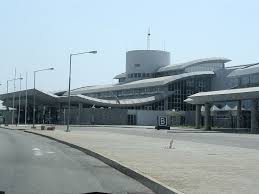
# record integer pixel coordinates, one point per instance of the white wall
(147, 117)
(149, 60)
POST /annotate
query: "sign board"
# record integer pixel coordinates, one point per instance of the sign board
(162, 121)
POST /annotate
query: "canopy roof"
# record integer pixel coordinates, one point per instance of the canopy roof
(151, 82)
(224, 95)
(246, 70)
(194, 62)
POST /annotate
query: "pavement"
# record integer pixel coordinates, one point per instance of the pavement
(200, 161)
(30, 164)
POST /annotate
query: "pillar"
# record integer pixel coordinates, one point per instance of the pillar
(166, 103)
(80, 106)
(64, 115)
(207, 121)
(43, 113)
(239, 114)
(198, 116)
(50, 115)
(254, 121)
(59, 113)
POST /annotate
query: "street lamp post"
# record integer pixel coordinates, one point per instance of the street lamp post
(34, 93)
(26, 100)
(19, 106)
(7, 91)
(69, 82)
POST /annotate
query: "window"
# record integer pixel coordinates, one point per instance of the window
(254, 78)
(189, 83)
(139, 74)
(132, 120)
(245, 80)
(135, 75)
(137, 65)
(200, 83)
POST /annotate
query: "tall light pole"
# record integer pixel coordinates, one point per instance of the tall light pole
(19, 106)
(26, 100)
(34, 80)
(69, 82)
(13, 94)
(7, 91)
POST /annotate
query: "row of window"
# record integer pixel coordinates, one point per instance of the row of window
(138, 75)
(189, 86)
(205, 67)
(154, 106)
(250, 79)
(139, 91)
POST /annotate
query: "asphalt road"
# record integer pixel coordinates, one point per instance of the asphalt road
(33, 164)
(250, 141)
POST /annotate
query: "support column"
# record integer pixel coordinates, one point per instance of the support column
(254, 121)
(43, 114)
(207, 120)
(64, 115)
(59, 114)
(239, 114)
(50, 115)
(198, 116)
(166, 103)
(80, 106)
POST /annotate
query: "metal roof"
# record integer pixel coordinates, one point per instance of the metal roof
(246, 70)
(42, 96)
(151, 82)
(194, 62)
(121, 75)
(224, 95)
(116, 103)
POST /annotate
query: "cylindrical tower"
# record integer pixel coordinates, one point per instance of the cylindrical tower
(141, 64)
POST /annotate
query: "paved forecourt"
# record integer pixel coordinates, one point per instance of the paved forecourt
(189, 167)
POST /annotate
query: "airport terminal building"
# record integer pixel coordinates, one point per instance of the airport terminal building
(150, 86)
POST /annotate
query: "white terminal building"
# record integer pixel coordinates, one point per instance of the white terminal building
(150, 86)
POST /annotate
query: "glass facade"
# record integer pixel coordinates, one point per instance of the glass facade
(178, 90)
(182, 89)
(249, 80)
(129, 92)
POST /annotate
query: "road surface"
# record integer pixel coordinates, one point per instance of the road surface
(250, 141)
(33, 164)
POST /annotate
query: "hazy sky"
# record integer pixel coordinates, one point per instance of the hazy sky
(41, 33)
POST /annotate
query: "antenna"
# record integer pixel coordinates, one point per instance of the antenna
(148, 39)
(164, 45)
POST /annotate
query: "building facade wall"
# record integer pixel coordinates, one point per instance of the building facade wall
(145, 117)
(95, 116)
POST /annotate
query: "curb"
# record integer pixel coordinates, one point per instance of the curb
(115, 126)
(147, 181)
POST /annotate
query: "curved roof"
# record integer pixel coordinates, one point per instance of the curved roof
(121, 75)
(247, 70)
(41, 96)
(152, 82)
(224, 95)
(194, 62)
(112, 103)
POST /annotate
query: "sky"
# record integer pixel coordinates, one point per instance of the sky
(36, 34)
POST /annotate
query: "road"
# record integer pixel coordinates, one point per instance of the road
(250, 141)
(33, 164)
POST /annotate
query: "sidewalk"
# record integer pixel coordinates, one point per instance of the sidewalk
(189, 167)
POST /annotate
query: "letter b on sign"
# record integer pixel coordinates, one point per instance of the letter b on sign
(162, 121)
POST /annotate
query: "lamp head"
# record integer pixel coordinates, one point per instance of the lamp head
(93, 52)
